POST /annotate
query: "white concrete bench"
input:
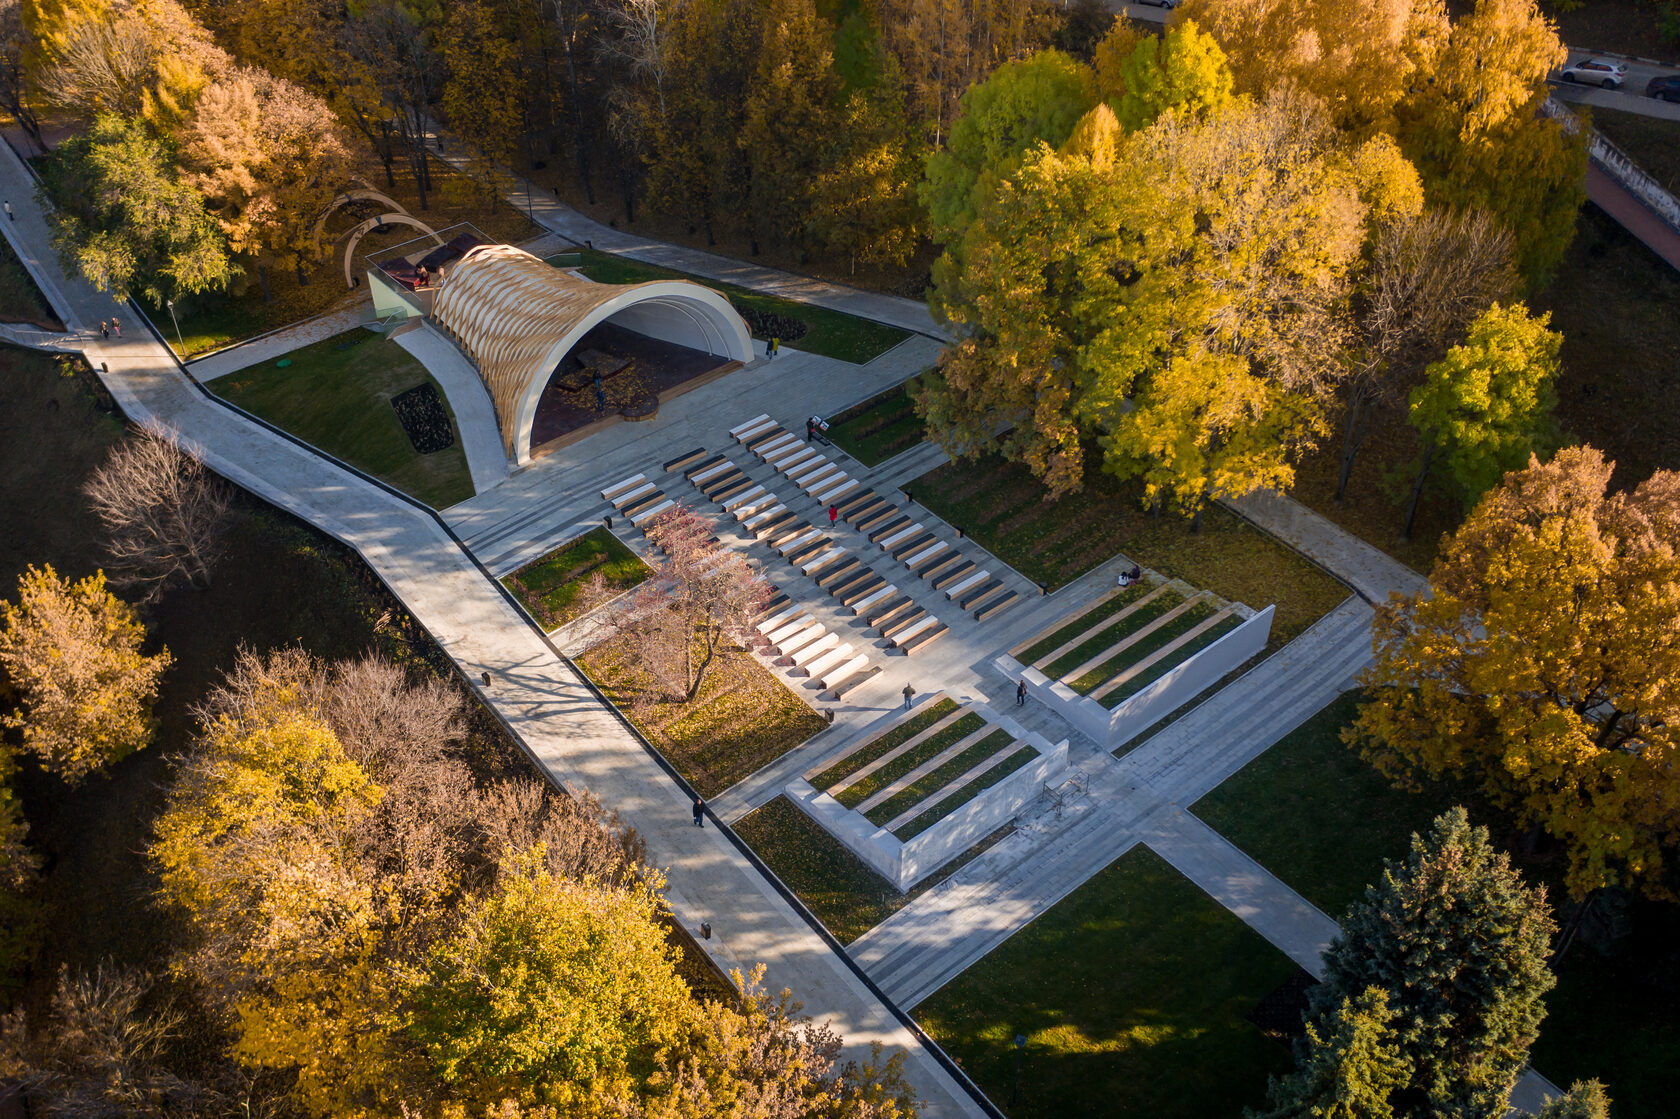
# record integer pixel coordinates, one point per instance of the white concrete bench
(651, 511)
(797, 641)
(828, 493)
(745, 495)
(886, 542)
(713, 471)
(823, 559)
(616, 488)
(926, 553)
(881, 595)
(839, 675)
(898, 639)
(838, 655)
(744, 431)
(967, 581)
(814, 650)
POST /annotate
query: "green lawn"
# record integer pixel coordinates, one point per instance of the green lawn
(336, 394)
(1314, 814)
(880, 427)
(20, 300)
(549, 586)
(925, 750)
(1132, 993)
(1002, 507)
(847, 897)
(968, 792)
(938, 777)
(874, 748)
(829, 333)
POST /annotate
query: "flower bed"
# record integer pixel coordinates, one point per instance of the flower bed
(422, 415)
(768, 324)
(880, 427)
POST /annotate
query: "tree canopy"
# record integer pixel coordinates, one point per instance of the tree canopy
(1542, 666)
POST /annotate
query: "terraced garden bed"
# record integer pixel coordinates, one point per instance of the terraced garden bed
(925, 820)
(1105, 609)
(1147, 609)
(937, 778)
(927, 749)
(887, 742)
(1166, 664)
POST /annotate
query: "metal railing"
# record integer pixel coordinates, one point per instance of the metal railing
(1620, 166)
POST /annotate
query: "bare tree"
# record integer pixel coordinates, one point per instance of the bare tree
(164, 510)
(1428, 279)
(701, 596)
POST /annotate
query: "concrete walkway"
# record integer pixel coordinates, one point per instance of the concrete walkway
(475, 414)
(578, 741)
(280, 342)
(1367, 569)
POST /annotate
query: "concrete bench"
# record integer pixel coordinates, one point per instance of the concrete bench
(750, 426)
(952, 575)
(924, 638)
(814, 650)
(972, 595)
(830, 660)
(828, 492)
(842, 681)
(616, 488)
(797, 641)
(922, 553)
(997, 605)
(869, 598)
(641, 518)
(971, 579)
(899, 536)
(897, 625)
(734, 502)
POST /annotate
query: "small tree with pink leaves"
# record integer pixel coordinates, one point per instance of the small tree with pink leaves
(702, 595)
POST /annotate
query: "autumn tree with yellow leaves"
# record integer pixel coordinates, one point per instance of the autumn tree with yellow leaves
(1544, 665)
(72, 654)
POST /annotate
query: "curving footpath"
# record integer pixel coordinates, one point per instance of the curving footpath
(578, 741)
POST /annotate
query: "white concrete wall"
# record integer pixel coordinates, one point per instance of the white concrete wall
(921, 855)
(875, 846)
(1187, 679)
(671, 320)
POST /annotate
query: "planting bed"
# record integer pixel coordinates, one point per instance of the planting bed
(549, 587)
(424, 419)
(902, 733)
(880, 427)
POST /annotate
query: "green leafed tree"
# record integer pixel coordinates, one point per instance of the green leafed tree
(127, 221)
(1021, 104)
(1486, 406)
(1183, 71)
(1459, 943)
(1347, 1066)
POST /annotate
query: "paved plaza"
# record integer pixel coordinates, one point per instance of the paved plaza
(1058, 843)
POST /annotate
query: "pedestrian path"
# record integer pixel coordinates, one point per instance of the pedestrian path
(1367, 569)
(577, 740)
(280, 342)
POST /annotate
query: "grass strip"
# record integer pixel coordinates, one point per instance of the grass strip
(829, 333)
(931, 782)
(1001, 506)
(1084, 622)
(549, 586)
(871, 750)
(848, 897)
(880, 427)
(930, 747)
(1155, 671)
(1141, 649)
(967, 793)
(1113, 635)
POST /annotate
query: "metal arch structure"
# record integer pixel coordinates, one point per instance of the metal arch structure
(517, 318)
(373, 223)
(344, 198)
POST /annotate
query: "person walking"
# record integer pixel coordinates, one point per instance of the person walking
(810, 429)
(9, 212)
(104, 329)
(699, 813)
(1021, 693)
(908, 692)
(116, 327)
(600, 399)
(833, 515)
(775, 347)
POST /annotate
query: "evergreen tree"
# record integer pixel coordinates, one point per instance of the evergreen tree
(1459, 943)
(1586, 1099)
(1346, 1066)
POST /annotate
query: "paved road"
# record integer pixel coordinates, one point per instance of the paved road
(577, 740)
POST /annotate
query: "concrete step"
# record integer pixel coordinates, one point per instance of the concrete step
(952, 575)
(938, 565)
(830, 660)
(873, 597)
(888, 608)
(617, 489)
(840, 573)
(924, 553)
(744, 430)
(972, 595)
(989, 610)
(847, 678)
(901, 621)
(683, 462)
(900, 635)
(878, 517)
(641, 518)
(925, 638)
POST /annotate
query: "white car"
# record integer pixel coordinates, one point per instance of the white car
(1169, 5)
(1595, 71)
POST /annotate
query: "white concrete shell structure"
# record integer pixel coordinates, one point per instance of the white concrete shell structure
(517, 317)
